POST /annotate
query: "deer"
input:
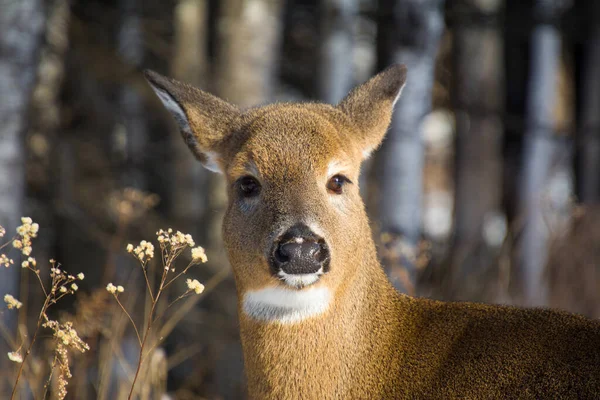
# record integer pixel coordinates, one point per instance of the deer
(318, 316)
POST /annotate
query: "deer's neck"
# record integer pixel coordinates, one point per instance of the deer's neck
(339, 352)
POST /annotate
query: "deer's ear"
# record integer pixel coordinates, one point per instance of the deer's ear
(370, 105)
(203, 119)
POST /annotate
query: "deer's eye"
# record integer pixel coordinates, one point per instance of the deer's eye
(336, 183)
(248, 186)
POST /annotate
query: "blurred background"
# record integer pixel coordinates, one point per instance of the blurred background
(485, 189)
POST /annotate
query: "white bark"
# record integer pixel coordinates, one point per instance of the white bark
(248, 60)
(541, 150)
(335, 71)
(21, 27)
(412, 38)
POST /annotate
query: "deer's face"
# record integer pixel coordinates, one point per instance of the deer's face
(295, 220)
(295, 216)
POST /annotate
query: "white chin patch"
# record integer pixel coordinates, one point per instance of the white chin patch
(300, 280)
(286, 306)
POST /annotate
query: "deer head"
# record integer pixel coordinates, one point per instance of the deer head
(295, 223)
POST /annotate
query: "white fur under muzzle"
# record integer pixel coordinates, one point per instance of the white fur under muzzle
(286, 306)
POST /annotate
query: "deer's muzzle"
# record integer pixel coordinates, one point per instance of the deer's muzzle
(299, 251)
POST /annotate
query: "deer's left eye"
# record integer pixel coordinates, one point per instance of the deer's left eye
(336, 183)
(248, 186)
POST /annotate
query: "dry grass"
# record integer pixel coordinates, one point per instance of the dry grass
(111, 345)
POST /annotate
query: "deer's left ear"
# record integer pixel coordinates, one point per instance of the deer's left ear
(204, 120)
(370, 105)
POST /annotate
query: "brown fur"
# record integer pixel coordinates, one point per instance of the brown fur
(372, 342)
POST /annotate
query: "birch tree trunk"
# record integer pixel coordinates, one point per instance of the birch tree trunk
(248, 58)
(21, 27)
(541, 150)
(42, 138)
(478, 159)
(408, 33)
(335, 70)
(189, 183)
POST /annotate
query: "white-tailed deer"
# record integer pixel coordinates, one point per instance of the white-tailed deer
(318, 317)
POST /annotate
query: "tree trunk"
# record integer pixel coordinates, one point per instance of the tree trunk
(589, 131)
(21, 25)
(130, 44)
(248, 58)
(41, 139)
(542, 148)
(409, 33)
(189, 183)
(336, 72)
(478, 159)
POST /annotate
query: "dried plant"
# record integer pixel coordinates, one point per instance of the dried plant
(62, 284)
(96, 320)
(172, 245)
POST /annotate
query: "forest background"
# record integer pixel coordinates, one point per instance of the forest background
(485, 189)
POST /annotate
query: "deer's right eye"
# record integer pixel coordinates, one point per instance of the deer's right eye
(248, 186)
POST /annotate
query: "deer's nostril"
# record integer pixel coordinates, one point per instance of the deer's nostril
(300, 252)
(282, 254)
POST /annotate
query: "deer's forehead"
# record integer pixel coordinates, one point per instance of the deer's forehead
(277, 143)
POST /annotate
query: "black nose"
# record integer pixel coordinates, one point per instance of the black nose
(300, 251)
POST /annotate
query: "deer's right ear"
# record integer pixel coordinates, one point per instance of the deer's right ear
(371, 104)
(204, 120)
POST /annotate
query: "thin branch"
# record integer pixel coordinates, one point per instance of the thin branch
(130, 319)
(148, 284)
(28, 351)
(9, 242)
(188, 305)
(37, 274)
(178, 275)
(184, 295)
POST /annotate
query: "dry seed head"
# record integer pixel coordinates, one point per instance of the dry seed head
(67, 338)
(4, 260)
(194, 285)
(15, 356)
(199, 255)
(111, 288)
(11, 302)
(143, 252)
(26, 231)
(132, 203)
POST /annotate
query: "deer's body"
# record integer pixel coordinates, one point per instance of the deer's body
(318, 317)
(377, 344)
